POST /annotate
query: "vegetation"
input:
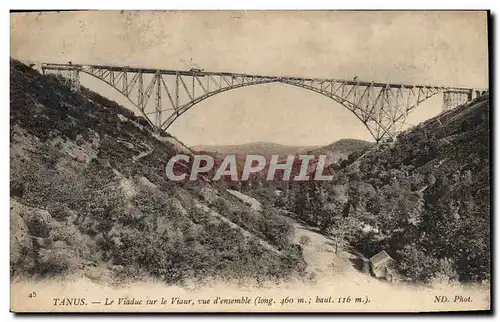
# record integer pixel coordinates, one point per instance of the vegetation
(82, 202)
(81, 199)
(425, 199)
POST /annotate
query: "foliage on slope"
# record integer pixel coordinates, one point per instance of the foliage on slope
(424, 199)
(88, 194)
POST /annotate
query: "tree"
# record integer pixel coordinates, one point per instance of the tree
(300, 201)
(343, 231)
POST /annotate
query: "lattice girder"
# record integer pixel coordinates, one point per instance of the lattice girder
(381, 107)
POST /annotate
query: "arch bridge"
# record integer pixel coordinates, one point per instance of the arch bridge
(381, 107)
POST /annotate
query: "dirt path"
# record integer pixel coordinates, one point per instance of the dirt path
(322, 262)
(252, 202)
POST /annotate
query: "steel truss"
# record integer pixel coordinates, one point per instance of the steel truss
(381, 107)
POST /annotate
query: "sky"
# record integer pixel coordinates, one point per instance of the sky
(436, 48)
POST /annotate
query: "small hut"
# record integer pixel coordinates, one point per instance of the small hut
(383, 266)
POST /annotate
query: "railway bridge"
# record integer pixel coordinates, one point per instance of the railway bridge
(382, 107)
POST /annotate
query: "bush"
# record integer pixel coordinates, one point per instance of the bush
(415, 265)
(278, 229)
(39, 222)
(16, 188)
(59, 211)
(446, 272)
(304, 240)
(56, 260)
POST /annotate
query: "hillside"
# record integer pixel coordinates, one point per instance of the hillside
(341, 149)
(89, 197)
(425, 199)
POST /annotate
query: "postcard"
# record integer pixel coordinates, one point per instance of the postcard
(250, 161)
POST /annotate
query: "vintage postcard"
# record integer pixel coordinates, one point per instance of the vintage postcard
(250, 161)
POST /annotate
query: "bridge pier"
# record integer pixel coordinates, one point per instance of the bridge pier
(71, 77)
(452, 99)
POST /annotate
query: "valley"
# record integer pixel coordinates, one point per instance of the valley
(89, 199)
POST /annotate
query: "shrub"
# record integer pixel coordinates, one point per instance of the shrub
(38, 222)
(415, 265)
(278, 229)
(55, 260)
(304, 240)
(59, 211)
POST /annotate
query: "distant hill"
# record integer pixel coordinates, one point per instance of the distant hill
(266, 149)
(260, 148)
(334, 152)
(340, 149)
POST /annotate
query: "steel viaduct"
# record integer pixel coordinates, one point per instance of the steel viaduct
(381, 107)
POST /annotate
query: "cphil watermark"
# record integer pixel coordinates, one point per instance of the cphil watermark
(295, 168)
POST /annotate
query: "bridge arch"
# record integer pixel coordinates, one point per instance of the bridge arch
(345, 104)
